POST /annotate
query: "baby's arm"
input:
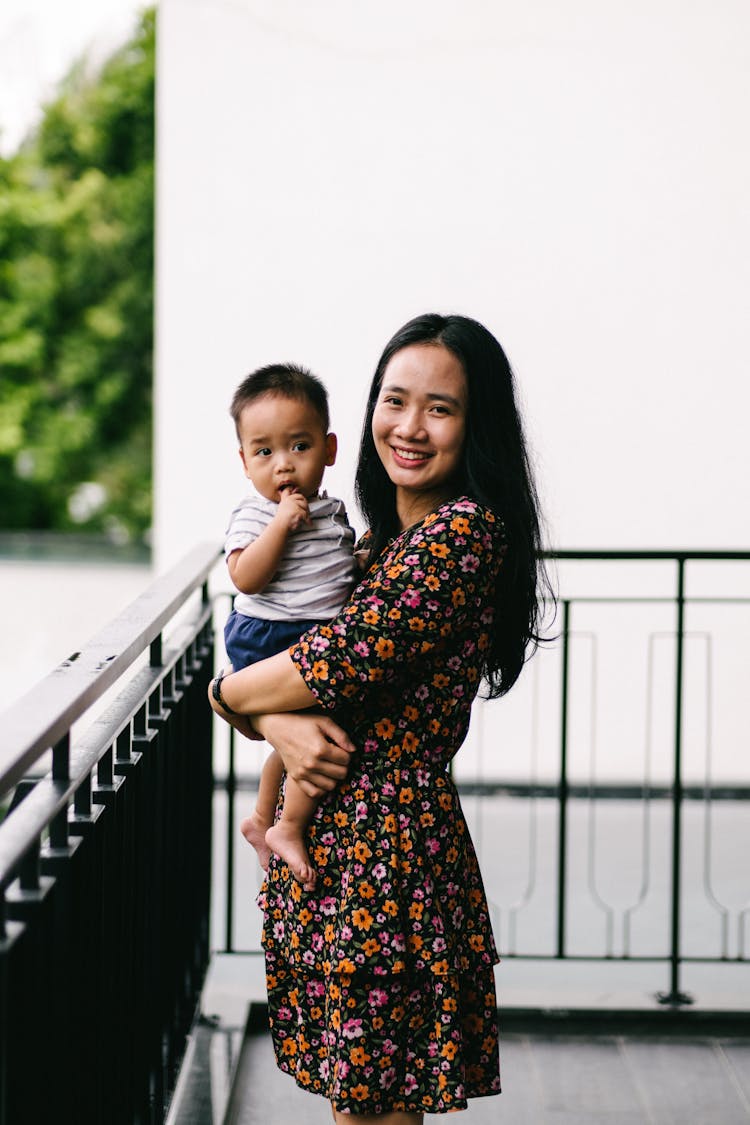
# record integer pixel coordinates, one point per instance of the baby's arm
(252, 568)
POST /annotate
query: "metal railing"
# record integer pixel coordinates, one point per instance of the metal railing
(105, 865)
(105, 861)
(565, 790)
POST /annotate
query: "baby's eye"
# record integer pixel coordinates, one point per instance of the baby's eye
(300, 446)
(264, 452)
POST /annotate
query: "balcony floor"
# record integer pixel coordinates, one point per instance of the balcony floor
(563, 1080)
(562, 1067)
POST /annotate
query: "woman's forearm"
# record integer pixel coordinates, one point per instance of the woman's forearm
(270, 686)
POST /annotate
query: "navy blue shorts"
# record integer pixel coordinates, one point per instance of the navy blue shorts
(249, 639)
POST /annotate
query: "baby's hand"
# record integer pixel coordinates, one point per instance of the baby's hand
(362, 559)
(293, 510)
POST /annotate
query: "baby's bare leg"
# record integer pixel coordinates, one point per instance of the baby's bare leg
(286, 838)
(255, 826)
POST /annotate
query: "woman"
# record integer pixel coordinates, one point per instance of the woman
(380, 981)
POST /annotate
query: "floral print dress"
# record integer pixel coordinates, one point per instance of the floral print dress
(380, 980)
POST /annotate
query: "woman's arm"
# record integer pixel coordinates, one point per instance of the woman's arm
(264, 688)
(315, 750)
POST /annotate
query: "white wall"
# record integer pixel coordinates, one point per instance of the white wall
(575, 175)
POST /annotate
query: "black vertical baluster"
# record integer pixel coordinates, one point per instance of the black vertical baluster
(231, 787)
(562, 842)
(676, 995)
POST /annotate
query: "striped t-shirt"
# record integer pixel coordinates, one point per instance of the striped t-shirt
(316, 572)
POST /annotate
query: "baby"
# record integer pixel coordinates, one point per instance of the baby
(289, 551)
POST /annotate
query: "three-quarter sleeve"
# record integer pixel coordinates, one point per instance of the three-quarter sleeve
(432, 583)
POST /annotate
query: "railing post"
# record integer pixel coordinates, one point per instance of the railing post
(230, 789)
(675, 995)
(562, 828)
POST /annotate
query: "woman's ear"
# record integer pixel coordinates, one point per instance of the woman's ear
(332, 448)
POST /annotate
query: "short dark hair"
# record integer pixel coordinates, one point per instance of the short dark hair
(495, 471)
(288, 380)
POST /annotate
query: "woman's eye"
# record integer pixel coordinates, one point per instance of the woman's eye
(438, 409)
(392, 400)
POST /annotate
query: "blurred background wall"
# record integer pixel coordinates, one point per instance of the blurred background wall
(576, 176)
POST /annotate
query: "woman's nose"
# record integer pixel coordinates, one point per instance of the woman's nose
(411, 425)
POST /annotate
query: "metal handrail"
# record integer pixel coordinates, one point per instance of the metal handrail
(40, 719)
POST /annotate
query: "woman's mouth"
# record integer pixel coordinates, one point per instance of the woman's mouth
(413, 456)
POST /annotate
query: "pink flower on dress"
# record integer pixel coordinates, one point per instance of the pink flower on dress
(411, 597)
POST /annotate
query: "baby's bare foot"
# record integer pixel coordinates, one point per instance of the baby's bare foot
(287, 843)
(254, 830)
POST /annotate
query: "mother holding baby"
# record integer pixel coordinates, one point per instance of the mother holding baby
(380, 979)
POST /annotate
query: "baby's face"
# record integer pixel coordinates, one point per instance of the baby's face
(284, 445)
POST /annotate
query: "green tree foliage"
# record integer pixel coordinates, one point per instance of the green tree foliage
(76, 304)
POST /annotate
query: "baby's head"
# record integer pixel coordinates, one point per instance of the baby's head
(280, 413)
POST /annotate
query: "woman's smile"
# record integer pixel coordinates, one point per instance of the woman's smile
(410, 454)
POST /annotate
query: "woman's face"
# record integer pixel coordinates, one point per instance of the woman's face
(419, 423)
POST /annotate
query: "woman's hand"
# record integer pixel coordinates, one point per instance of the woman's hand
(315, 750)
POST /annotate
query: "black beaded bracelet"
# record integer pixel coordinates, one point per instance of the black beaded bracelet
(216, 690)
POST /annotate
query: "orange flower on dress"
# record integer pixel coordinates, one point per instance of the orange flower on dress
(384, 728)
(360, 1092)
(320, 670)
(362, 918)
(385, 648)
(439, 550)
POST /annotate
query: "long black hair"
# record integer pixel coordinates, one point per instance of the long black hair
(495, 471)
